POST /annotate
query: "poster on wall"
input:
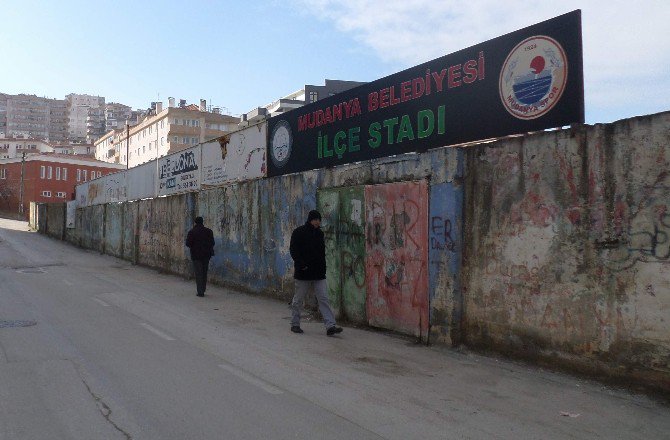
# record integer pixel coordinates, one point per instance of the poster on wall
(235, 157)
(179, 172)
(71, 210)
(527, 80)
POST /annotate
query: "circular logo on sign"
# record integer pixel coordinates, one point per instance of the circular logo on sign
(533, 77)
(281, 141)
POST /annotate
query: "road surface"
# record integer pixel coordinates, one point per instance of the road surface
(93, 347)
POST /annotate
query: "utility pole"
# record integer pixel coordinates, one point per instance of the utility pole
(127, 144)
(23, 166)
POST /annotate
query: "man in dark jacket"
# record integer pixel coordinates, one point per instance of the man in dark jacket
(308, 250)
(201, 242)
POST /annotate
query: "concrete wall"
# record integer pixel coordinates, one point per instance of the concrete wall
(56, 225)
(567, 247)
(554, 245)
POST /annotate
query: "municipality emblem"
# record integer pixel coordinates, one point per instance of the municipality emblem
(533, 77)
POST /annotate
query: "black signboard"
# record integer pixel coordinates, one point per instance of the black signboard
(530, 79)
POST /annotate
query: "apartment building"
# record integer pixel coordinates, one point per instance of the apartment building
(13, 147)
(78, 111)
(46, 178)
(35, 117)
(164, 132)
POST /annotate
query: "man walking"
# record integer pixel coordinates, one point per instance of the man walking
(200, 241)
(308, 250)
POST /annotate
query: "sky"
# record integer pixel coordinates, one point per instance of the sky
(239, 55)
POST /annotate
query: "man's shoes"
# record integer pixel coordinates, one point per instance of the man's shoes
(200, 294)
(296, 329)
(333, 330)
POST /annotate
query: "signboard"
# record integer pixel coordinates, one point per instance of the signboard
(71, 214)
(111, 188)
(528, 80)
(179, 172)
(237, 156)
(141, 182)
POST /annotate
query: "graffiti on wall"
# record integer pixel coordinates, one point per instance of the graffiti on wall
(344, 229)
(397, 256)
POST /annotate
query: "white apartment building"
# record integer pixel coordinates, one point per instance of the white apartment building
(79, 106)
(169, 130)
(14, 147)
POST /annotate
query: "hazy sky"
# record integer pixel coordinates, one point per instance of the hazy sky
(239, 55)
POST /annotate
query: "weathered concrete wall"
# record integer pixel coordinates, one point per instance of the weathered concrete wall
(555, 245)
(252, 224)
(42, 219)
(73, 235)
(567, 247)
(163, 225)
(56, 220)
(130, 230)
(114, 229)
(92, 224)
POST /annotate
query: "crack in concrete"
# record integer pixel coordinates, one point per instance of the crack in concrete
(104, 409)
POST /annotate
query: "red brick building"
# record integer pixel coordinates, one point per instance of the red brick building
(47, 178)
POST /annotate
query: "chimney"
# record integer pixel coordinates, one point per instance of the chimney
(203, 105)
(216, 110)
(170, 102)
(182, 103)
(159, 107)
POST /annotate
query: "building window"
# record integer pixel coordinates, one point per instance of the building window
(85, 172)
(313, 96)
(57, 173)
(162, 123)
(78, 175)
(184, 140)
(194, 141)
(3, 173)
(175, 139)
(162, 141)
(42, 172)
(196, 123)
(46, 193)
(144, 148)
(99, 174)
(61, 195)
(64, 173)
(49, 173)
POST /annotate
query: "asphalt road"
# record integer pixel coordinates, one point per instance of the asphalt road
(93, 347)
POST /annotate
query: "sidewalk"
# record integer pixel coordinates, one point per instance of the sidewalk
(389, 383)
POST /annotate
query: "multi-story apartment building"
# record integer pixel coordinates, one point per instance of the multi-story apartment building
(306, 95)
(45, 178)
(95, 124)
(78, 109)
(36, 117)
(168, 130)
(117, 114)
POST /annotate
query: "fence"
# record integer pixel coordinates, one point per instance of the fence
(552, 245)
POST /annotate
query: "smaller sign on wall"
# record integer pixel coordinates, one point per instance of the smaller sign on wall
(81, 191)
(235, 157)
(70, 214)
(179, 172)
